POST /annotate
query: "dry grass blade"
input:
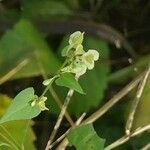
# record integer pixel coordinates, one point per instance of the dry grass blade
(108, 105)
(136, 102)
(113, 100)
(146, 147)
(64, 135)
(60, 117)
(125, 138)
(12, 72)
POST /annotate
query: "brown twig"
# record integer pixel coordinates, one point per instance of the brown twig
(12, 72)
(64, 135)
(92, 118)
(125, 138)
(146, 147)
(135, 103)
(60, 117)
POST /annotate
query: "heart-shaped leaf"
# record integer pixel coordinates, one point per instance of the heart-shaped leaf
(85, 137)
(68, 80)
(21, 108)
(19, 132)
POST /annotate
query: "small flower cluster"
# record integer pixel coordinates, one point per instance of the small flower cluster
(80, 60)
(40, 102)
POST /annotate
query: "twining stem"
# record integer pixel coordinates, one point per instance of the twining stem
(125, 138)
(60, 117)
(12, 72)
(135, 103)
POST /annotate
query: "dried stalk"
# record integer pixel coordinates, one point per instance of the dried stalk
(135, 103)
(96, 115)
(146, 147)
(108, 105)
(60, 117)
(125, 138)
(64, 135)
(12, 72)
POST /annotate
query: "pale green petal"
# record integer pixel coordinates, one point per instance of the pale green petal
(94, 53)
(79, 50)
(90, 66)
(33, 103)
(76, 39)
(42, 106)
(47, 82)
(79, 70)
(89, 57)
(43, 98)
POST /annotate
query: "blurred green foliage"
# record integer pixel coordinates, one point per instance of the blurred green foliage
(15, 131)
(36, 36)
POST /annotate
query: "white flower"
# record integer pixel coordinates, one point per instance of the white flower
(76, 39)
(89, 57)
(82, 61)
(78, 67)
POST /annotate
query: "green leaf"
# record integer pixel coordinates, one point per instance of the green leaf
(4, 103)
(85, 138)
(25, 42)
(94, 81)
(10, 15)
(45, 9)
(68, 80)
(21, 109)
(19, 131)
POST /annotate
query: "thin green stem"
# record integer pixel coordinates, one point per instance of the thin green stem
(52, 92)
(57, 74)
(47, 88)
